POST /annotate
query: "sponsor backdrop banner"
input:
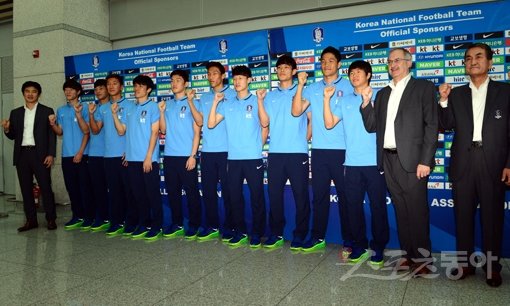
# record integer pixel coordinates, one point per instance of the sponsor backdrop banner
(437, 38)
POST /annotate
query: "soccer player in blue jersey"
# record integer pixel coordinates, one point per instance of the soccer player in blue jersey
(140, 124)
(244, 135)
(180, 156)
(213, 157)
(75, 137)
(123, 210)
(328, 147)
(96, 164)
(288, 154)
(361, 173)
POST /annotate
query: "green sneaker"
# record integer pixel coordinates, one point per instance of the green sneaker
(173, 232)
(74, 223)
(377, 259)
(86, 225)
(314, 245)
(153, 235)
(377, 264)
(208, 234)
(273, 242)
(358, 255)
(140, 232)
(100, 226)
(237, 240)
(115, 230)
(128, 230)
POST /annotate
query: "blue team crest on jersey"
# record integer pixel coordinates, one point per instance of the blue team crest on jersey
(120, 112)
(318, 34)
(340, 93)
(142, 116)
(95, 61)
(223, 46)
(183, 112)
(249, 110)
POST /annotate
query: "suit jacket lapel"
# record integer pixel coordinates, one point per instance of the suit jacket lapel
(490, 100)
(21, 124)
(384, 105)
(467, 99)
(36, 117)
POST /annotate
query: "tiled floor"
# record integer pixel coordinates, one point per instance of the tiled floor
(42, 267)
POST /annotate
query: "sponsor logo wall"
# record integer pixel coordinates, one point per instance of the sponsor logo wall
(437, 38)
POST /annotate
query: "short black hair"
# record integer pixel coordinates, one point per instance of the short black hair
(100, 82)
(486, 47)
(241, 70)
(286, 60)
(73, 84)
(115, 76)
(144, 80)
(362, 65)
(33, 84)
(183, 74)
(333, 51)
(217, 65)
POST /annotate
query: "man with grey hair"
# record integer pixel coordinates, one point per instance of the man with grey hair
(404, 116)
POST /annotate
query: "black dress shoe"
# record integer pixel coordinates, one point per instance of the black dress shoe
(494, 279)
(28, 226)
(462, 272)
(52, 225)
(403, 265)
(422, 270)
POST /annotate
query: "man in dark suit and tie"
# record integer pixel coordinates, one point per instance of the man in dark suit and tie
(478, 112)
(34, 151)
(404, 116)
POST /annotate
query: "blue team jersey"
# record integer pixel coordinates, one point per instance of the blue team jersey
(72, 134)
(287, 133)
(323, 138)
(360, 145)
(138, 120)
(243, 127)
(179, 128)
(215, 139)
(115, 145)
(96, 141)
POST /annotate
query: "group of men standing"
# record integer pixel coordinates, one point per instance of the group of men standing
(364, 141)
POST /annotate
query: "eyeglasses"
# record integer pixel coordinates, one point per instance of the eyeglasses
(397, 60)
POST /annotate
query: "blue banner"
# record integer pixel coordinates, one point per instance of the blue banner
(437, 39)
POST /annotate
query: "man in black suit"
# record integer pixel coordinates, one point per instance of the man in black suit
(480, 159)
(404, 116)
(34, 151)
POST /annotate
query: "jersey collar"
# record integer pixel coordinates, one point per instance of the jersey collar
(246, 98)
(287, 89)
(332, 83)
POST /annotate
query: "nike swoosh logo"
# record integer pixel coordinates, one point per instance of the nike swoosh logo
(457, 46)
(374, 46)
(256, 65)
(280, 55)
(349, 55)
(72, 77)
(258, 167)
(199, 64)
(131, 71)
(305, 162)
(487, 35)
